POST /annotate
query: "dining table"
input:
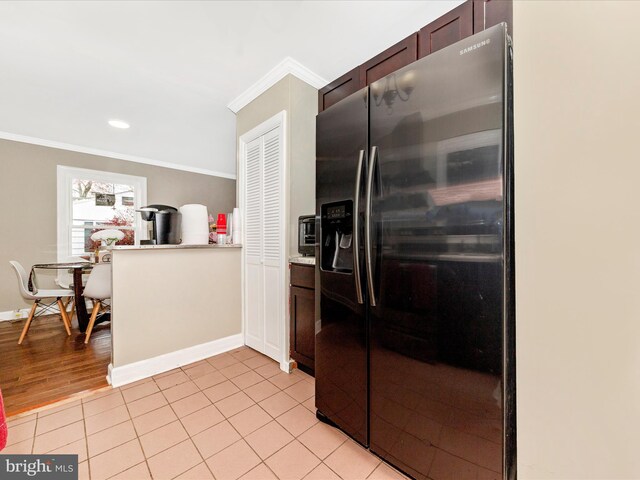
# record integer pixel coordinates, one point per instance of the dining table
(78, 269)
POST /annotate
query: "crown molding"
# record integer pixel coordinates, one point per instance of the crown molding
(277, 73)
(105, 153)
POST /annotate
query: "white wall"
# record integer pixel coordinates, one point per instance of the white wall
(577, 76)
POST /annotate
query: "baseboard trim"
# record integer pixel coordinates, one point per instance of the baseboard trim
(10, 315)
(118, 376)
(23, 313)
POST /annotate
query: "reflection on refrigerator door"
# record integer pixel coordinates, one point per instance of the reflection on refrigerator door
(341, 337)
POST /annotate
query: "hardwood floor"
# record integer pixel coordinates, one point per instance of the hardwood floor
(49, 365)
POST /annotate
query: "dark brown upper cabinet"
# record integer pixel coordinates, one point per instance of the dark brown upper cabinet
(339, 89)
(471, 17)
(393, 58)
(487, 13)
(446, 30)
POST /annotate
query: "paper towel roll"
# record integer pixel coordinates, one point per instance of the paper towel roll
(195, 224)
(237, 226)
(230, 227)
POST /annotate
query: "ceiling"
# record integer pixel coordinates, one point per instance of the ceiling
(170, 68)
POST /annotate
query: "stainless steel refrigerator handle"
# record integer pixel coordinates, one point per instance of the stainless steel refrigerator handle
(356, 229)
(367, 226)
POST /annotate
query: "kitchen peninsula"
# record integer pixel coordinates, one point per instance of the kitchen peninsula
(172, 305)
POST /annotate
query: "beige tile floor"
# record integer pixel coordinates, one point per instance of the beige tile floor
(235, 415)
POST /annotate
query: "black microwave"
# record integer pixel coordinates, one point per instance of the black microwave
(307, 235)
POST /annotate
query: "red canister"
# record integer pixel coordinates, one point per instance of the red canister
(221, 226)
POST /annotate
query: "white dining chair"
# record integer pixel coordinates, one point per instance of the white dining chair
(69, 301)
(37, 297)
(98, 289)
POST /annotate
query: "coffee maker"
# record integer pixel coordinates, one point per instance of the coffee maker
(165, 228)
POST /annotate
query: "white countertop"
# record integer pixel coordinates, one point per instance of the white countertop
(165, 247)
(303, 260)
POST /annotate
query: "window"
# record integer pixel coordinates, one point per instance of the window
(91, 200)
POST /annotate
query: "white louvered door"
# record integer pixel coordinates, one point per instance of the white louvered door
(272, 239)
(254, 282)
(264, 247)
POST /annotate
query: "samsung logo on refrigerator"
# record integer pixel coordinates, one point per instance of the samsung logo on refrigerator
(475, 46)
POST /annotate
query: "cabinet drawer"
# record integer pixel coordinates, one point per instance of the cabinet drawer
(303, 275)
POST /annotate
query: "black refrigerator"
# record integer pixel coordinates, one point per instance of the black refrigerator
(415, 341)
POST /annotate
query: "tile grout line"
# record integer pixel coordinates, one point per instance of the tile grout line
(142, 414)
(269, 468)
(60, 426)
(294, 438)
(35, 435)
(86, 439)
(107, 428)
(257, 403)
(113, 446)
(103, 411)
(204, 462)
(188, 434)
(242, 437)
(137, 438)
(169, 404)
(119, 473)
(332, 470)
(309, 450)
(62, 403)
(297, 437)
(177, 420)
(35, 429)
(346, 438)
(285, 445)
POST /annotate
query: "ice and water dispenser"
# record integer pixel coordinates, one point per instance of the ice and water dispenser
(337, 237)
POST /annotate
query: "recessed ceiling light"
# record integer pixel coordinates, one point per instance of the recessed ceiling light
(118, 124)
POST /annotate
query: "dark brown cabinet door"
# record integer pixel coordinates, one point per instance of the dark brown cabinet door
(339, 89)
(446, 30)
(303, 333)
(393, 58)
(487, 13)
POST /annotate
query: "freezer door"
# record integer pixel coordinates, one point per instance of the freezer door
(341, 331)
(436, 228)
